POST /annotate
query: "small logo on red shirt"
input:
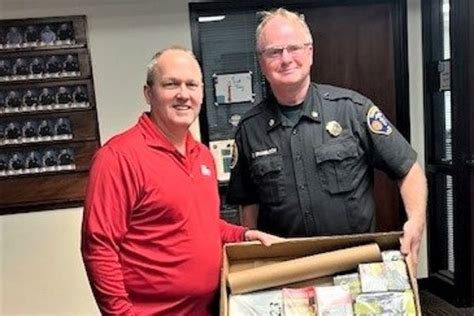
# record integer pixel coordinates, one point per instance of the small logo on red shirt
(205, 170)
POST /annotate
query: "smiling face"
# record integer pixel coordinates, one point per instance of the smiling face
(176, 94)
(290, 66)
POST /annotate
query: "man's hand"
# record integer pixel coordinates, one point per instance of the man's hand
(411, 240)
(264, 238)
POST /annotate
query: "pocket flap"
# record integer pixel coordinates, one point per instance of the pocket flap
(336, 151)
(264, 166)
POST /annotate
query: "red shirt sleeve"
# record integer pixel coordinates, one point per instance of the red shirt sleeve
(230, 232)
(111, 193)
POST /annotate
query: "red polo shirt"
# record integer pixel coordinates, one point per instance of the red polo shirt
(152, 238)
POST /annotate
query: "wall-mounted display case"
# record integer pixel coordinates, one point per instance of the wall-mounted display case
(48, 119)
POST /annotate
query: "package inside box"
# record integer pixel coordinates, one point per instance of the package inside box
(245, 256)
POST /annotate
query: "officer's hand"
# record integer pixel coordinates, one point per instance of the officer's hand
(264, 238)
(411, 240)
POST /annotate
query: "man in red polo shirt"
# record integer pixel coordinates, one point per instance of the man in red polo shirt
(151, 237)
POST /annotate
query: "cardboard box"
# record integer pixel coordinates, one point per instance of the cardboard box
(249, 255)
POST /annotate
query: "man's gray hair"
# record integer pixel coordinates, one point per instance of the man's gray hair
(151, 71)
(294, 17)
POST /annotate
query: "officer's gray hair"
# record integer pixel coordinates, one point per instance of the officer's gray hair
(293, 17)
(152, 70)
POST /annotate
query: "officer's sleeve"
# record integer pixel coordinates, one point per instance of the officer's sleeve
(387, 149)
(241, 190)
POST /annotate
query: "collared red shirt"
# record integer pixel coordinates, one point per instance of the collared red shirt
(315, 177)
(152, 238)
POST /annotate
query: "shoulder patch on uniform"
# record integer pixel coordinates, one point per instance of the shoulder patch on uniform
(377, 122)
(235, 156)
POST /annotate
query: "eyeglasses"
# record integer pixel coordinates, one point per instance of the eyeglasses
(277, 52)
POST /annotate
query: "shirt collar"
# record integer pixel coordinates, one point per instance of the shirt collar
(311, 108)
(154, 137)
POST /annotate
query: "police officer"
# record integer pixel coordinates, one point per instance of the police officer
(65, 157)
(5, 69)
(45, 129)
(33, 160)
(16, 162)
(30, 99)
(70, 64)
(63, 96)
(47, 35)
(36, 66)
(31, 34)
(20, 67)
(79, 95)
(65, 32)
(53, 65)
(14, 37)
(304, 158)
(46, 97)
(13, 100)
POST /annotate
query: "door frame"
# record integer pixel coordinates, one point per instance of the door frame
(456, 287)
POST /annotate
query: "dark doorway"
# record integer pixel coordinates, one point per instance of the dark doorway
(448, 45)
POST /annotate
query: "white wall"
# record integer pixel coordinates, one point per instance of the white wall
(417, 127)
(41, 271)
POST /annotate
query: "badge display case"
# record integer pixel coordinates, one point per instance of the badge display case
(48, 119)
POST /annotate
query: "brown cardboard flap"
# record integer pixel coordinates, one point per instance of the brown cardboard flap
(299, 247)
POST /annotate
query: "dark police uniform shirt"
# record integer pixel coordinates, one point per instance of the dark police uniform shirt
(315, 177)
(47, 99)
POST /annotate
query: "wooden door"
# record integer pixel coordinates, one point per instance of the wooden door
(354, 48)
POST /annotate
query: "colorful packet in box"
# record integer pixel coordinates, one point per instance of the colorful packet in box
(372, 277)
(350, 282)
(299, 302)
(386, 303)
(263, 303)
(333, 301)
(397, 276)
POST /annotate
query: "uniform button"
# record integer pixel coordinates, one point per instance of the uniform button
(295, 131)
(301, 187)
(298, 157)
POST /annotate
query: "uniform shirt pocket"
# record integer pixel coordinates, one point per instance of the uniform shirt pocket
(267, 174)
(337, 165)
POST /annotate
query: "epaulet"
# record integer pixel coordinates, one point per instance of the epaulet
(332, 93)
(252, 112)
